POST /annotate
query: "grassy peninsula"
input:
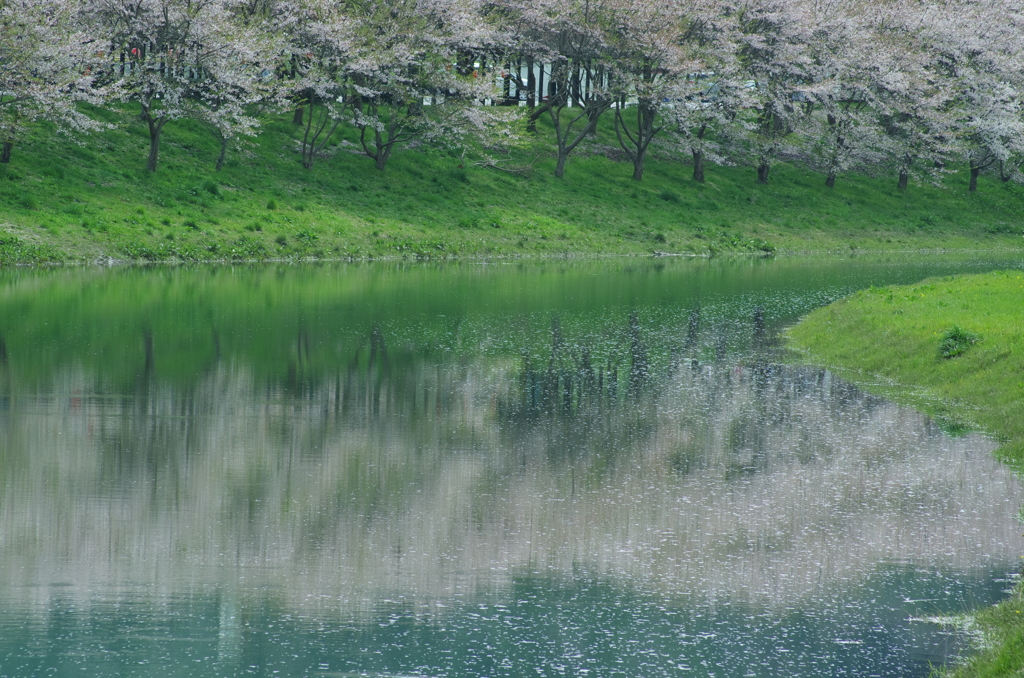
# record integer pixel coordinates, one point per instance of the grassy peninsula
(92, 199)
(897, 339)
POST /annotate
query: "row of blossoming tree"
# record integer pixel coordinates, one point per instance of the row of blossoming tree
(909, 86)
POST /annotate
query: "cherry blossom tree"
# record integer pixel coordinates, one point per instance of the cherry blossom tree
(980, 47)
(318, 41)
(840, 95)
(404, 79)
(709, 101)
(46, 65)
(228, 117)
(772, 51)
(173, 57)
(993, 126)
(647, 62)
(904, 121)
(703, 121)
(572, 38)
(231, 105)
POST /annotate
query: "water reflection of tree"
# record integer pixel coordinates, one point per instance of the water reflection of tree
(389, 470)
(566, 406)
(574, 407)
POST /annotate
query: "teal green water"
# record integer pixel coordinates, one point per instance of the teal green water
(584, 469)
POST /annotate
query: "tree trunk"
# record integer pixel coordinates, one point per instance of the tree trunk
(830, 180)
(154, 146)
(223, 151)
(309, 144)
(560, 167)
(904, 178)
(297, 116)
(698, 166)
(535, 114)
(638, 165)
(973, 186)
(5, 154)
(382, 148)
(762, 172)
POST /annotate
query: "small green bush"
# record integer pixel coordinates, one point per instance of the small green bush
(956, 341)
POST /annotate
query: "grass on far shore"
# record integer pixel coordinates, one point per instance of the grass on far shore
(92, 200)
(894, 334)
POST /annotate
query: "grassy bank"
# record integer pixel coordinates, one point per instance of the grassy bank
(894, 339)
(92, 200)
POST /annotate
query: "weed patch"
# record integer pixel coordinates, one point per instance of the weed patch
(955, 341)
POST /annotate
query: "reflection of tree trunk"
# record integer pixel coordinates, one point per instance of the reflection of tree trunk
(556, 337)
(587, 381)
(377, 344)
(759, 327)
(3, 351)
(149, 361)
(147, 340)
(640, 367)
(376, 382)
(693, 328)
(302, 345)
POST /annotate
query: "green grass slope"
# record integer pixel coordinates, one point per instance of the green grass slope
(892, 339)
(61, 200)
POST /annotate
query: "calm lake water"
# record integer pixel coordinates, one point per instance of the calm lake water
(545, 469)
